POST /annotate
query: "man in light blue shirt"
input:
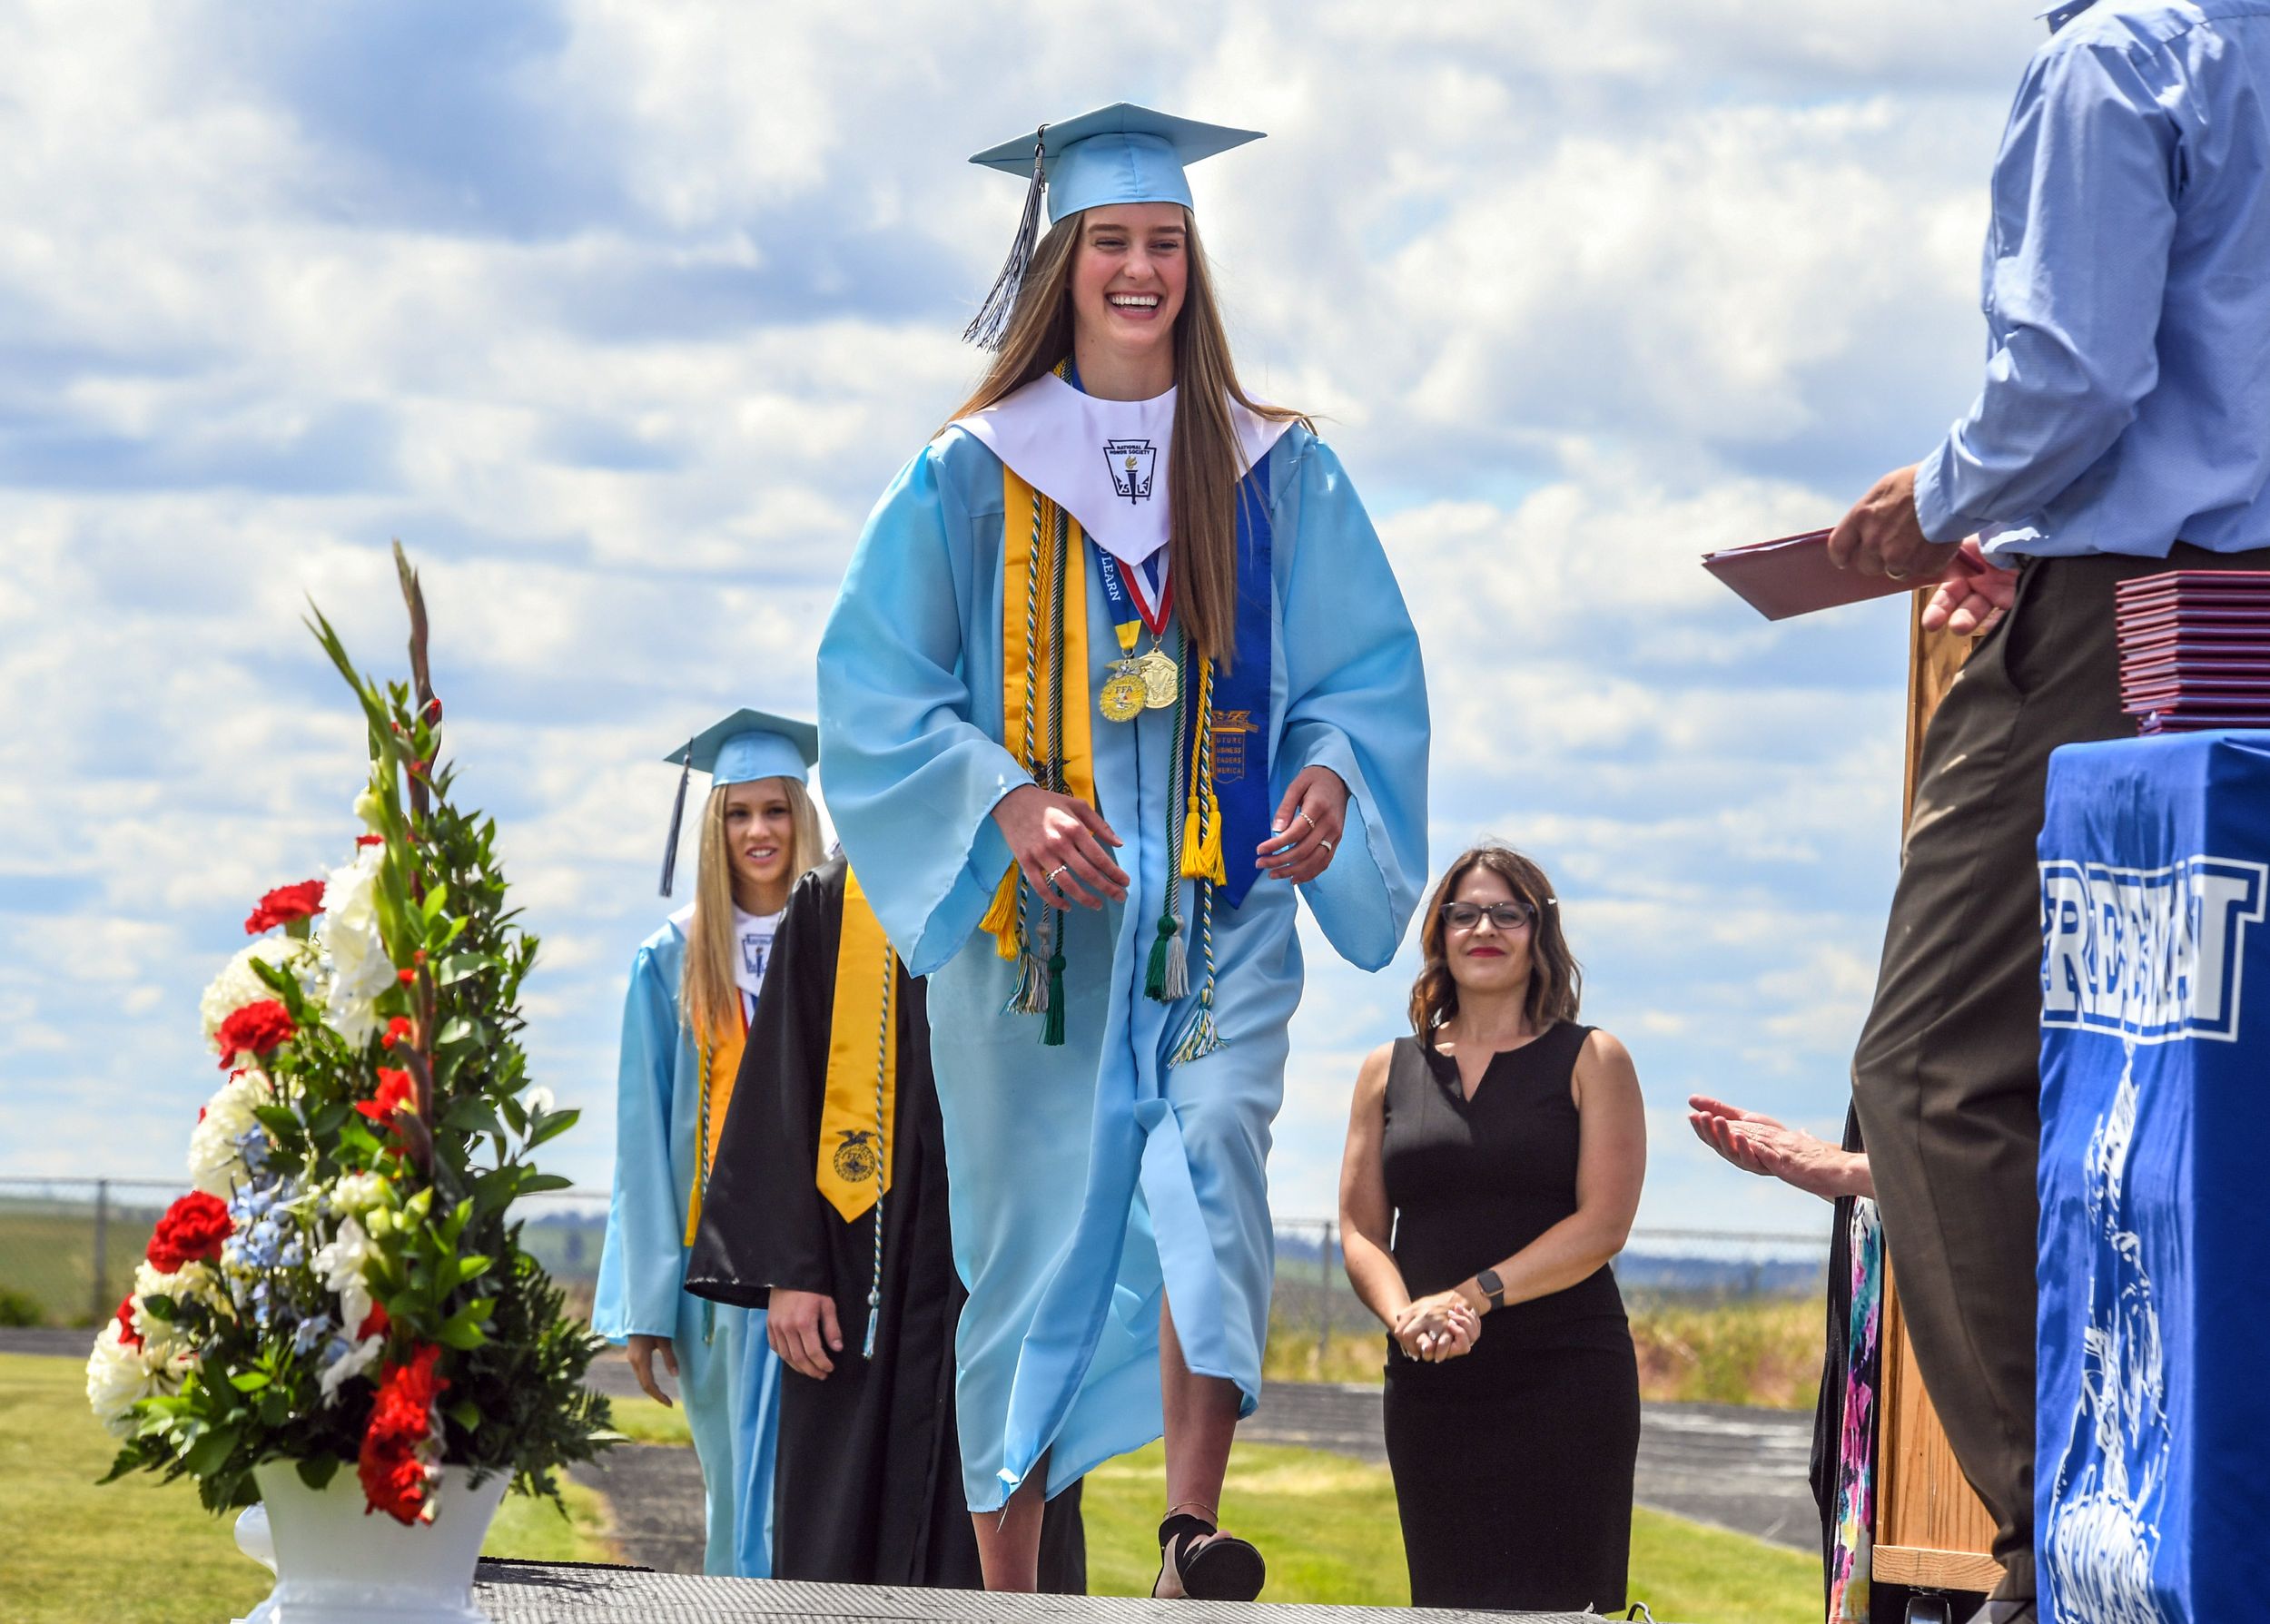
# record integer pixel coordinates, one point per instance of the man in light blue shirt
(2123, 429)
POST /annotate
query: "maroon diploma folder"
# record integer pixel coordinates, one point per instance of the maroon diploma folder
(1792, 576)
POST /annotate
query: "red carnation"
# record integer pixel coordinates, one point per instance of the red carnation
(406, 976)
(374, 1323)
(396, 1464)
(370, 840)
(397, 1031)
(256, 1027)
(396, 1092)
(191, 1232)
(286, 902)
(126, 1331)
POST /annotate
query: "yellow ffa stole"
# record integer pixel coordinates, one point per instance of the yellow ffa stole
(863, 1063)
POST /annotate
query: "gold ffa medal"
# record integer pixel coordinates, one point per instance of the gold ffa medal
(1124, 693)
(1162, 679)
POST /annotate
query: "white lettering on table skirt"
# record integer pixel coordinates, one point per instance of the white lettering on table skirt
(2151, 954)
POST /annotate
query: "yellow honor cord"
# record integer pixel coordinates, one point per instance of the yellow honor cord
(853, 1167)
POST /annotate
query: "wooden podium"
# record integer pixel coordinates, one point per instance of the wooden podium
(1931, 1530)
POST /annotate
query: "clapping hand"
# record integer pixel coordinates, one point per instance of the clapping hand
(1436, 1328)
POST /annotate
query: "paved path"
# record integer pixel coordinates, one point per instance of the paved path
(1726, 1464)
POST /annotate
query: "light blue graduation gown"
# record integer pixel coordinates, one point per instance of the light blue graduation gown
(1087, 1176)
(728, 1375)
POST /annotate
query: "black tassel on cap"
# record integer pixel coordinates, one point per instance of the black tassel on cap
(678, 818)
(989, 327)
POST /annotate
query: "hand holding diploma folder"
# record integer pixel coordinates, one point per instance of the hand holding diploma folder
(1794, 575)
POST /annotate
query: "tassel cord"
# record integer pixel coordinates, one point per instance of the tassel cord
(1052, 1027)
(882, 1141)
(989, 329)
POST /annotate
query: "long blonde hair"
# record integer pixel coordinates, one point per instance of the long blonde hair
(708, 1002)
(1205, 460)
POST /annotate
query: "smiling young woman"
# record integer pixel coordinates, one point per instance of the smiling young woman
(1119, 663)
(1492, 1166)
(693, 988)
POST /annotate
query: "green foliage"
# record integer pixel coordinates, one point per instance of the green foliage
(140, 1553)
(18, 1308)
(431, 1184)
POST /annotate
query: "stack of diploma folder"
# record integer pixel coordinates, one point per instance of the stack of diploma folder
(2194, 649)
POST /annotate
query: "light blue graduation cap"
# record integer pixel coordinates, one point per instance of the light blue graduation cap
(745, 747)
(1117, 154)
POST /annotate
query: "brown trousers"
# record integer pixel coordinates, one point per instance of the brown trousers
(1947, 1077)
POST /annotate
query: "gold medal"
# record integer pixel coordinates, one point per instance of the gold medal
(1124, 693)
(1162, 679)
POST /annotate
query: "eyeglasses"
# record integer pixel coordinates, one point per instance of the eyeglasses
(1505, 916)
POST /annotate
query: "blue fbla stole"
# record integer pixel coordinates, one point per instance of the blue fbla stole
(1242, 695)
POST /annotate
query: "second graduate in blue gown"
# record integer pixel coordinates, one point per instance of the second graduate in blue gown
(692, 987)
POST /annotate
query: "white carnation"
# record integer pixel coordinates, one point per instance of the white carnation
(341, 1264)
(215, 1165)
(238, 984)
(191, 1283)
(119, 1374)
(349, 931)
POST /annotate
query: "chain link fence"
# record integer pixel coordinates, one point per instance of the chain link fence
(68, 1249)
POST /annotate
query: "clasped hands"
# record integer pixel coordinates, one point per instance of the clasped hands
(1063, 846)
(1881, 536)
(1438, 1327)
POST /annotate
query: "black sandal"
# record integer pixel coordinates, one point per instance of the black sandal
(1208, 1565)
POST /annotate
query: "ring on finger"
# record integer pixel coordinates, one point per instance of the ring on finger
(1048, 879)
(1327, 847)
(1302, 814)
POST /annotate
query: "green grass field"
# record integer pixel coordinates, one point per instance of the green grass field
(1328, 1524)
(139, 1552)
(47, 1258)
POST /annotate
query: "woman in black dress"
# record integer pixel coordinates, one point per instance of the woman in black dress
(1493, 1165)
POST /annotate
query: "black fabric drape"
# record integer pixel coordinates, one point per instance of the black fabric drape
(867, 1489)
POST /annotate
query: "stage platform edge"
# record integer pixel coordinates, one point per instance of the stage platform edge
(513, 1592)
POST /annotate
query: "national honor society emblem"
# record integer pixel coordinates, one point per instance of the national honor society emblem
(1132, 463)
(856, 1161)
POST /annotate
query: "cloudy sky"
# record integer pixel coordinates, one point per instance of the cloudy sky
(620, 315)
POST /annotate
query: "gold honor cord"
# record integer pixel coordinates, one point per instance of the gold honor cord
(1045, 714)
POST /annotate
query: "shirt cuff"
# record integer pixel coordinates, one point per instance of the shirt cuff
(1934, 503)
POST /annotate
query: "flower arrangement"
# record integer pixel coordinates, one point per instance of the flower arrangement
(345, 1283)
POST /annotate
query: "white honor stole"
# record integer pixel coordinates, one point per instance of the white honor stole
(1104, 462)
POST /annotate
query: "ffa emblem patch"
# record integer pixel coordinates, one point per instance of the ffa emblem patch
(855, 1160)
(1230, 728)
(1131, 462)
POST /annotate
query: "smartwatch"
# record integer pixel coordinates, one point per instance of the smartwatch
(1492, 1287)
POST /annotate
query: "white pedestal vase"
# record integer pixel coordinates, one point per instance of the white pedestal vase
(335, 1565)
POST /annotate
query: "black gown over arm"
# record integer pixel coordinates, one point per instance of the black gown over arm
(867, 1488)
